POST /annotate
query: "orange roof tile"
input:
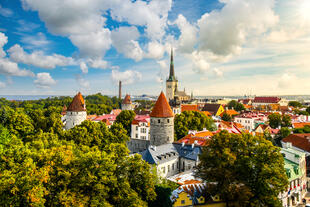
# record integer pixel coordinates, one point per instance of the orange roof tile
(230, 112)
(127, 99)
(77, 104)
(207, 113)
(116, 112)
(189, 107)
(301, 125)
(162, 108)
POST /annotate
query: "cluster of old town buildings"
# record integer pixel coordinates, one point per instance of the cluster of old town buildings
(152, 136)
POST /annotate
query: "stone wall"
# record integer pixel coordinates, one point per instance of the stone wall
(137, 145)
(74, 118)
(161, 130)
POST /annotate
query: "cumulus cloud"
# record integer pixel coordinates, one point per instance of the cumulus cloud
(224, 31)
(35, 41)
(287, 80)
(8, 67)
(97, 63)
(124, 40)
(188, 37)
(3, 41)
(38, 59)
(83, 67)
(155, 50)
(127, 77)
(82, 82)
(200, 64)
(44, 80)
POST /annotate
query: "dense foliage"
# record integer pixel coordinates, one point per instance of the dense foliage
(295, 104)
(226, 117)
(276, 120)
(243, 168)
(125, 118)
(95, 104)
(235, 105)
(88, 165)
(191, 120)
(305, 129)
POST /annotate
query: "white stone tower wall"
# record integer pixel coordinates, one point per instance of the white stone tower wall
(127, 107)
(74, 118)
(162, 130)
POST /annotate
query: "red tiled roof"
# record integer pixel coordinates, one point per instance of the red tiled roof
(207, 113)
(300, 125)
(301, 141)
(77, 104)
(162, 108)
(230, 112)
(194, 140)
(266, 99)
(116, 112)
(64, 110)
(127, 99)
(189, 107)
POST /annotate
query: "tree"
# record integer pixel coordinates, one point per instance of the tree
(284, 132)
(235, 105)
(286, 121)
(308, 109)
(295, 104)
(243, 168)
(226, 117)
(191, 120)
(125, 118)
(275, 120)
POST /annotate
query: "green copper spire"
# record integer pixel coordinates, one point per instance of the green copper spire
(171, 74)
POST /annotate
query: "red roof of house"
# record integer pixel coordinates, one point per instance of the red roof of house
(116, 112)
(266, 99)
(162, 108)
(189, 107)
(301, 141)
(201, 141)
(77, 104)
(64, 110)
(127, 99)
(230, 112)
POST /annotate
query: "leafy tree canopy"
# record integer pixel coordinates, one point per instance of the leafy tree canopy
(125, 118)
(243, 168)
(235, 105)
(226, 117)
(295, 104)
(274, 120)
(191, 120)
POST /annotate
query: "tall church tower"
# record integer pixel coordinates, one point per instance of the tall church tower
(172, 82)
(162, 122)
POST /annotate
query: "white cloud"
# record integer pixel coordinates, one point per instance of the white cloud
(8, 67)
(224, 31)
(3, 41)
(82, 82)
(200, 64)
(124, 40)
(217, 72)
(44, 80)
(35, 41)
(287, 80)
(97, 63)
(2, 84)
(83, 67)
(5, 12)
(188, 37)
(155, 50)
(127, 77)
(38, 59)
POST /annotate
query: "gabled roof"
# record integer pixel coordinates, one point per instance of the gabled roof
(77, 104)
(212, 108)
(266, 99)
(189, 107)
(127, 99)
(162, 108)
(301, 141)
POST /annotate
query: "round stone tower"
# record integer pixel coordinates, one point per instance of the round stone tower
(76, 112)
(162, 122)
(127, 104)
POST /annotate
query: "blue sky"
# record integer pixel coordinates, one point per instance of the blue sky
(225, 47)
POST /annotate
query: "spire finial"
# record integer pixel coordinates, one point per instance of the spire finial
(171, 74)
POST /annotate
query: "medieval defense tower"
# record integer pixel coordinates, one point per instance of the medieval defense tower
(162, 122)
(172, 82)
(76, 112)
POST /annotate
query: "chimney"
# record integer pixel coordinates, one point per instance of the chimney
(120, 90)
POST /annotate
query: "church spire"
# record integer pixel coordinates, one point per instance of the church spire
(171, 74)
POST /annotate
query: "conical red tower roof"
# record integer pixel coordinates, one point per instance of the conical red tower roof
(77, 104)
(162, 108)
(127, 99)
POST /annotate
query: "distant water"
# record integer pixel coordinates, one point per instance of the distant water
(25, 97)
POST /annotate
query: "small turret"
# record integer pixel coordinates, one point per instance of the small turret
(127, 104)
(76, 112)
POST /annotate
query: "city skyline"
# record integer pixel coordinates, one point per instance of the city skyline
(221, 47)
